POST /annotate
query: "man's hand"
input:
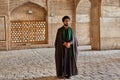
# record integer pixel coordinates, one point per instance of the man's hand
(67, 44)
(64, 43)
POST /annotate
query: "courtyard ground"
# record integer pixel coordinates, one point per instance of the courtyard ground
(39, 64)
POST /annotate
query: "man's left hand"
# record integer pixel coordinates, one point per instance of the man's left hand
(68, 45)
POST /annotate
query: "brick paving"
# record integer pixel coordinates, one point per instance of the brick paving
(38, 64)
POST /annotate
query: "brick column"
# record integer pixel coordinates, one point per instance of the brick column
(95, 24)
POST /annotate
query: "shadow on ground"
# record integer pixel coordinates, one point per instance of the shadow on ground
(45, 78)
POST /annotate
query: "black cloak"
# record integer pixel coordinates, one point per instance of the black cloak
(59, 53)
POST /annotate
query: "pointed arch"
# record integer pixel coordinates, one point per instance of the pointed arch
(21, 12)
(14, 4)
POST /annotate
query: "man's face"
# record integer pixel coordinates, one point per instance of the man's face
(66, 22)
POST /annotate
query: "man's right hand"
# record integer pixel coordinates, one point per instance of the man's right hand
(64, 43)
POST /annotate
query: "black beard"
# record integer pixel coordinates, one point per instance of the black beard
(65, 24)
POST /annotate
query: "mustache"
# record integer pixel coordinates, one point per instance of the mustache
(66, 24)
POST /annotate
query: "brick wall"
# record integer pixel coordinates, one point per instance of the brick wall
(59, 8)
(110, 24)
(2, 45)
(3, 12)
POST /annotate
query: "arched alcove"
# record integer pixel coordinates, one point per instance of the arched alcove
(83, 22)
(28, 25)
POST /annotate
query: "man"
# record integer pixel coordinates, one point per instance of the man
(66, 50)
